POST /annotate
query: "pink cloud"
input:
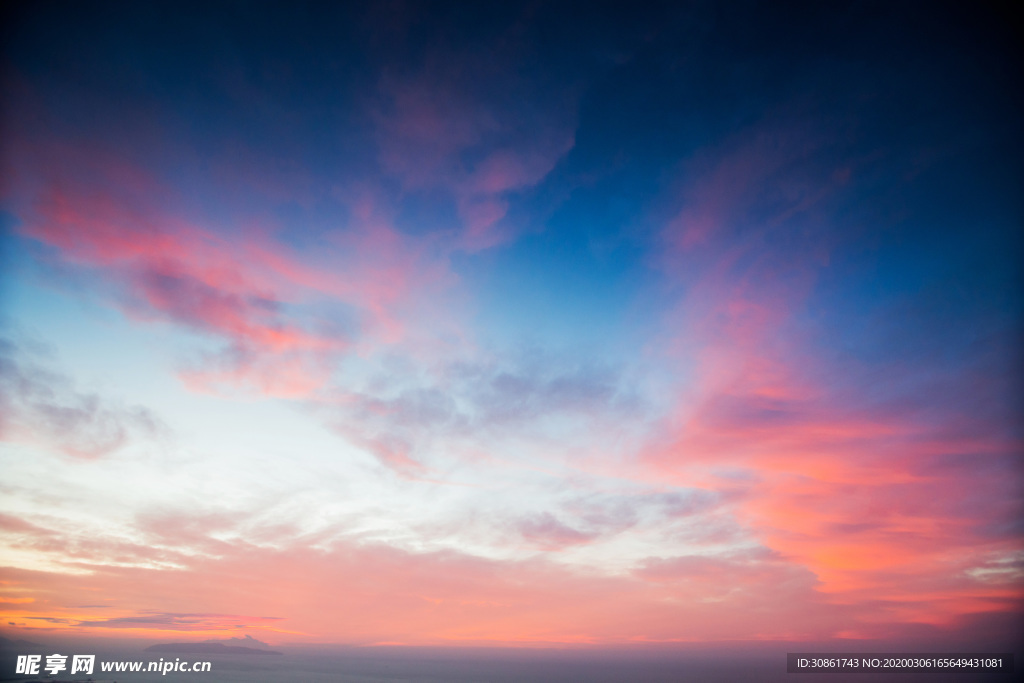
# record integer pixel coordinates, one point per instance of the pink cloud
(364, 594)
(854, 496)
(135, 235)
(342, 591)
(52, 537)
(878, 505)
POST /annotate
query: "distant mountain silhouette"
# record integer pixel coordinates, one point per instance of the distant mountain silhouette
(247, 641)
(208, 648)
(7, 643)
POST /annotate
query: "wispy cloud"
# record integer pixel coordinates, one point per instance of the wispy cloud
(170, 621)
(159, 262)
(448, 597)
(41, 406)
(806, 450)
(403, 416)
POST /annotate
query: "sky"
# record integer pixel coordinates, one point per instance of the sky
(511, 324)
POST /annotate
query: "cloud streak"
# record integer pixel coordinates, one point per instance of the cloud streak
(450, 598)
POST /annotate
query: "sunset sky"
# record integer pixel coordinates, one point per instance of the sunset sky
(510, 324)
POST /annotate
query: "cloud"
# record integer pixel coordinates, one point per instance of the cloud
(286, 309)
(711, 576)
(588, 518)
(859, 494)
(359, 593)
(402, 416)
(76, 547)
(283, 316)
(171, 621)
(547, 533)
(848, 477)
(42, 407)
